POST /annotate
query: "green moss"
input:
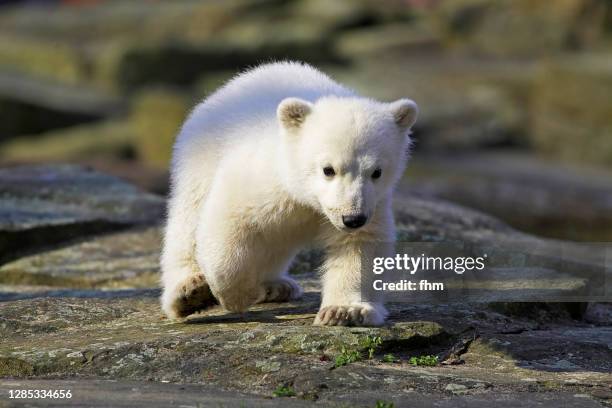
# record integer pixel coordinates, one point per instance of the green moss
(427, 361)
(389, 358)
(14, 367)
(283, 391)
(550, 385)
(371, 344)
(365, 341)
(331, 340)
(58, 365)
(346, 357)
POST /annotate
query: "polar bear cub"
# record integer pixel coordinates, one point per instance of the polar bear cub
(280, 158)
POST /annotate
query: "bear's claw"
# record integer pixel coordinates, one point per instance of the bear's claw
(349, 315)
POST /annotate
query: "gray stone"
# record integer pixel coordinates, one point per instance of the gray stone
(30, 106)
(539, 197)
(121, 260)
(130, 259)
(140, 394)
(600, 313)
(45, 205)
(69, 319)
(126, 339)
(456, 389)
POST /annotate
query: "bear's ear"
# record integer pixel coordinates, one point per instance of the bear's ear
(292, 112)
(404, 112)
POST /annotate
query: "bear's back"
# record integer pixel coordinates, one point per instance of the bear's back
(270, 83)
(250, 99)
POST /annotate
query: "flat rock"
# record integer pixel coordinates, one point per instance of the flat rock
(69, 317)
(58, 97)
(126, 259)
(141, 394)
(45, 205)
(104, 393)
(129, 259)
(273, 345)
(30, 105)
(533, 195)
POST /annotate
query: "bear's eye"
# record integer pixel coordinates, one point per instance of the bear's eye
(377, 173)
(329, 171)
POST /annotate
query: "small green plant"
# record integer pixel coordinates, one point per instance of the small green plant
(428, 361)
(389, 358)
(371, 344)
(283, 391)
(347, 357)
(384, 404)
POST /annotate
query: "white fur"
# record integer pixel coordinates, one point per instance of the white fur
(248, 189)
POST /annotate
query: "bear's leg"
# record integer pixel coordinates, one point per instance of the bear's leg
(251, 275)
(185, 290)
(231, 272)
(228, 252)
(242, 266)
(342, 303)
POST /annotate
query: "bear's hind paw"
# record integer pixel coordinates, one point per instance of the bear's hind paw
(281, 290)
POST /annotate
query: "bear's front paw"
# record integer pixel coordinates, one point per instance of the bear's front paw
(281, 290)
(189, 296)
(359, 314)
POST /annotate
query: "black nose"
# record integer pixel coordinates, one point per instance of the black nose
(354, 221)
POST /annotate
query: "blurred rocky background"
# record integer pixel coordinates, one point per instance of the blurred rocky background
(515, 96)
(516, 122)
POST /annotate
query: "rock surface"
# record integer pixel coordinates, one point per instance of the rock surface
(129, 259)
(102, 393)
(29, 105)
(540, 197)
(120, 260)
(275, 345)
(46, 205)
(85, 317)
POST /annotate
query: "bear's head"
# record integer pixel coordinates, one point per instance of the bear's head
(343, 155)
